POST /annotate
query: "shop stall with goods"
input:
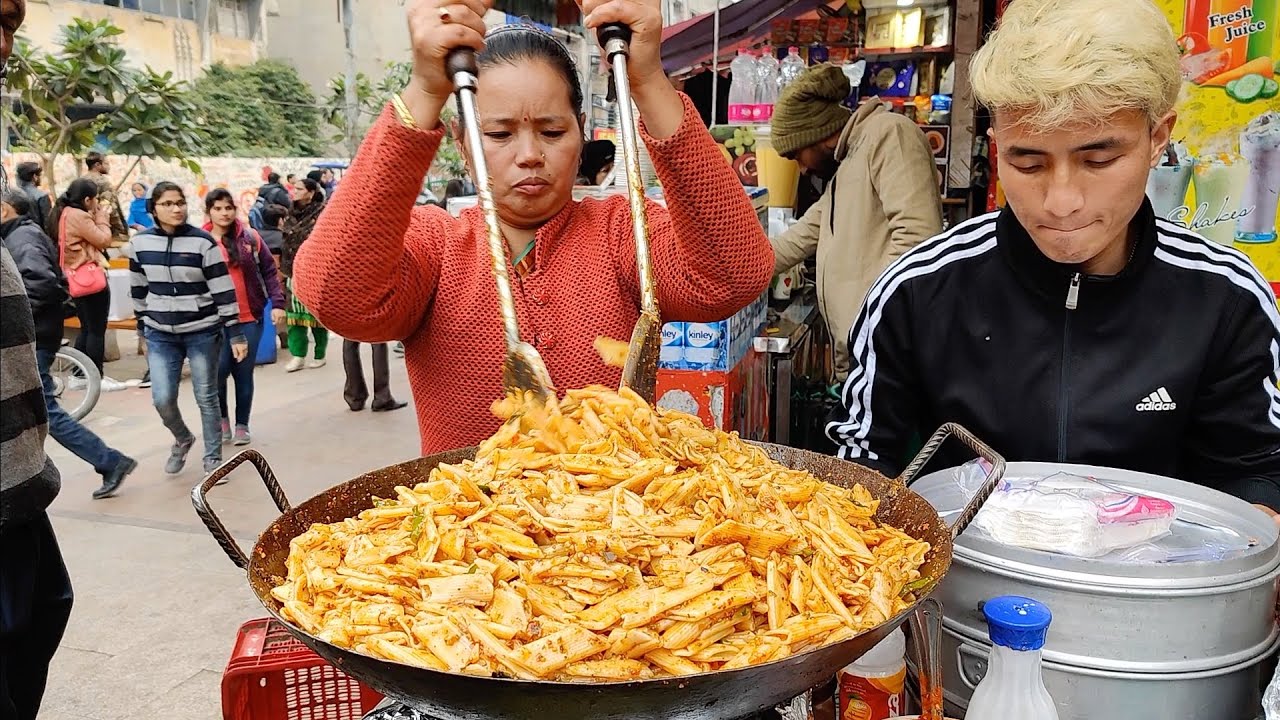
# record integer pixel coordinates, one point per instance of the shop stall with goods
(904, 54)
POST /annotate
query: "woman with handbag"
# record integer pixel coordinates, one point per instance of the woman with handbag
(83, 230)
(253, 272)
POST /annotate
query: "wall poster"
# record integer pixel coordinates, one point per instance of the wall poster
(1221, 177)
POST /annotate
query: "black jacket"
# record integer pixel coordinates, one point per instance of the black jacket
(41, 205)
(1170, 367)
(275, 193)
(274, 239)
(37, 259)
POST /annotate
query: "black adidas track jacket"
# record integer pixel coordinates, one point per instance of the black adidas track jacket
(1170, 367)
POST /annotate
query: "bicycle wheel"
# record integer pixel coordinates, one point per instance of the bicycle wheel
(76, 381)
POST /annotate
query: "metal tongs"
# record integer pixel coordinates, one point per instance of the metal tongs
(641, 370)
(522, 369)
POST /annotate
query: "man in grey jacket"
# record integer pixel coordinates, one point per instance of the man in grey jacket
(35, 591)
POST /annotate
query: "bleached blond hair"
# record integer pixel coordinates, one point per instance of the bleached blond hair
(1060, 62)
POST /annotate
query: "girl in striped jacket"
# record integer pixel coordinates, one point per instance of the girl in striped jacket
(184, 296)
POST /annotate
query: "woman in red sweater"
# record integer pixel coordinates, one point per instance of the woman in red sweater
(377, 268)
(257, 282)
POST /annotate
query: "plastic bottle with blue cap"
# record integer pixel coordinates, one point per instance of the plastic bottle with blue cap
(1014, 685)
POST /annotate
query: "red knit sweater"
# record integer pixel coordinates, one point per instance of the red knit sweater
(376, 269)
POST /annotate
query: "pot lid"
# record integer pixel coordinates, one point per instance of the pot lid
(1215, 540)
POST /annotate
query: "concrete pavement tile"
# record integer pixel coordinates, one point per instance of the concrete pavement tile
(64, 696)
(199, 697)
(121, 685)
(162, 587)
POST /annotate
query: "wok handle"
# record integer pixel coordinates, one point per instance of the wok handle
(980, 448)
(200, 499)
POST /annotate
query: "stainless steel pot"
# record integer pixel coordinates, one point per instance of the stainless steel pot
(1156, 639)
(1227, 693)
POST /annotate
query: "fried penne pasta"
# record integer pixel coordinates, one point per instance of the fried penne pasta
(548, 654)
(598, 539)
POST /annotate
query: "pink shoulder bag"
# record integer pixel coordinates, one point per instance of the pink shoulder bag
(89, 278)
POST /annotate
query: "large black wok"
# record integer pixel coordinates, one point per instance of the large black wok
(709, 696)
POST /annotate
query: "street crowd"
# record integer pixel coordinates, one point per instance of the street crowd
(204, 297)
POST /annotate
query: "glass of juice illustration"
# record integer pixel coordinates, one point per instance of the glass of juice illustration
(1219, 181)
(1219, 35)
(1266, 15)
(1167, 184)
(1260, 145)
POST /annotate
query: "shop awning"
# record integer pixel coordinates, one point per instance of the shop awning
(690, 42)
(744, 23)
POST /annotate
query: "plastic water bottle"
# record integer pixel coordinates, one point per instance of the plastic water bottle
(1014, 685)
(792, 67)
(873, 686)
(767, 91)
(742, 91)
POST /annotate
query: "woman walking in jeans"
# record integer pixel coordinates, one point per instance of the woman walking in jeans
(83, 229)
(308, 202)
(186, 299)
(253, 272)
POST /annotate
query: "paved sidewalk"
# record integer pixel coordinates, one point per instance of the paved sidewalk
(157, 600)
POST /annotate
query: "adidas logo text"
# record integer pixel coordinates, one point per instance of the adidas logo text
(1158, 401)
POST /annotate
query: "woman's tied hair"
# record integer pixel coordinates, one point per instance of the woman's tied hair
(509, 44)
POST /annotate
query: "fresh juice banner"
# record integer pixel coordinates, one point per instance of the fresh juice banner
(1222, 177)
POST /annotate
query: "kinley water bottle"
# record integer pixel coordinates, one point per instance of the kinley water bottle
(793, 66)
(767, 91)
(742, 90)
(1014, 686)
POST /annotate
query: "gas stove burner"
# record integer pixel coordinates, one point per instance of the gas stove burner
(397, 711)
(391, 710)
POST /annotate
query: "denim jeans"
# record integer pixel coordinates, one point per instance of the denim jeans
(68, 431)
(165, 353)
(241, 372)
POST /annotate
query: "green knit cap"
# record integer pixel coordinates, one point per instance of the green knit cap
(809, 110)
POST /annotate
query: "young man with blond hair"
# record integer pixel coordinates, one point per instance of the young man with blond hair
(1073, 325)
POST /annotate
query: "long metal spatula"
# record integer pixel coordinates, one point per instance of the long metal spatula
(641, 370)
(523, 369)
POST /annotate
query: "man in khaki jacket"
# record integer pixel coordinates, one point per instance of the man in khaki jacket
(881, 199)
(97, 168)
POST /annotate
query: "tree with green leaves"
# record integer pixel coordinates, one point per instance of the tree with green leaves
(152, 114)
(370, 99)
(264, 109)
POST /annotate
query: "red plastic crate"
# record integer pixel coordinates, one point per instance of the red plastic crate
(272, 676)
